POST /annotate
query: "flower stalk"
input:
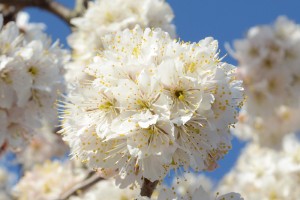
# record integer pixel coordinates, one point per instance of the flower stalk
(148, 187)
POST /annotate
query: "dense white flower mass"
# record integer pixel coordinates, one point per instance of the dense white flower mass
(48, 181)
(269, 64)
(106, 16)
(30, 74)
(154, 104)
(263, 173)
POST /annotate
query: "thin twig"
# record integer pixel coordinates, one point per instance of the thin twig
(3, 148)
(80, 6)
(148, 188)
(86, 2)
(9, 13)
(52, 6)
(49, 5)
(82, 186)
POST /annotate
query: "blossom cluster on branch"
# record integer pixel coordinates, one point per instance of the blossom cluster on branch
(48, 181)
(269, 59)
(31, 72)
(268, 167)
(263, 173)
(155, 104)
(139, 103)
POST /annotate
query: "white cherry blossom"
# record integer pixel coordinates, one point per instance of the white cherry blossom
(104, 17)
(48, 181)
(269, 59)
(264, 173)
(153, 105)
(31, 73)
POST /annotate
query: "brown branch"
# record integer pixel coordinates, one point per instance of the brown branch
(3, 148)
(9, 13)
(51, 6)
(82, 186)
(148, 188)
(10, 16)
(85, 3)
(81, 5)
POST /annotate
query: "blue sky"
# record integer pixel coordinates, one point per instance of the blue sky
(225, 20)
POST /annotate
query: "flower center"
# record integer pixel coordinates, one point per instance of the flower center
(5, 77)
(33, 71)
(106, 106)
(179, 94)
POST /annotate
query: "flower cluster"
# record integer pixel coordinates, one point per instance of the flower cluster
(30, 75)
(154, 104)
(106, 16)
(48, 181)
(269, 60)
(264, 173)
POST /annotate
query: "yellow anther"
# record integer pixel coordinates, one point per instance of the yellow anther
(105, 106)
(191, 67)
(136, 51)
(33, 71)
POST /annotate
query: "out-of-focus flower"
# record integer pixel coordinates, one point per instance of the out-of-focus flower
(263, 173)
(48, 181)
(106, 16)
(31, 72)
(268, 131)
(198, 194)
(107, 190)
(188, 183)
(269, 60)
(154, 104)
(43, 146)
(191, 186)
